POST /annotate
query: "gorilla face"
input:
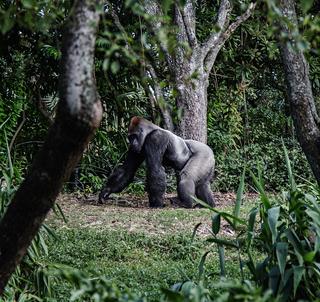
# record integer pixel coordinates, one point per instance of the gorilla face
(136, 138)
(134, 141)
(138, 130)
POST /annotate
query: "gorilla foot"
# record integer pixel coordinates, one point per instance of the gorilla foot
(103, 196)
(156, 206)
(176, 202)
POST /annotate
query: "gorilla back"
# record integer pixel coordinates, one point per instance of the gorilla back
(192, 160)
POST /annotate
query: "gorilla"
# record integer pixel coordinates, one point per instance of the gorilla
(193, 162)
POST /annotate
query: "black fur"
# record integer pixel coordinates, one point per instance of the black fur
(192, 160)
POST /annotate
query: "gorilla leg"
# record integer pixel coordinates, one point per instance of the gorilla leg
(156, 186)
(186, 189)
(195, 180)
(204, 193)
(154, 149)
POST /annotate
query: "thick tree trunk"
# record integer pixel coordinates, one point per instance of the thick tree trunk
(79, 114)
(192, 100)
(303, 111)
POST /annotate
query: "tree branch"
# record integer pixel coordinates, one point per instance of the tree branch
(159, 98)
(233, 26)
(156, 96)
(153, 9)
(17, 131)
(79, 114)
(219, 41)
(189, 17)
(222, 21)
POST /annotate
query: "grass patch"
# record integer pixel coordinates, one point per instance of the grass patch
(140, 248)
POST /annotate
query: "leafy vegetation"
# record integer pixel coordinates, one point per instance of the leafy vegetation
(30, 280)
(247, 113)
(287, 236)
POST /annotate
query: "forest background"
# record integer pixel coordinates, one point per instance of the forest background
(244, 114)
(247, 110)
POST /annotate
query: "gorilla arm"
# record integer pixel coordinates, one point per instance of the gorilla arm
(122, 176)
(155, 146)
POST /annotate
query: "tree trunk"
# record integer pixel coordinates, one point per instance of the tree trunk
(189, 66)
(192, 100)
(79, 114)
(299, 91)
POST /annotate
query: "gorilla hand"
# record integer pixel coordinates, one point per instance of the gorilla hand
(104, 194)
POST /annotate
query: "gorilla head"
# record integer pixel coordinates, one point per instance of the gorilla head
(138, 130)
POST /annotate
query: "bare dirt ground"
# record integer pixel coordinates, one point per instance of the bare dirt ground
(132, 213)
(133, 201)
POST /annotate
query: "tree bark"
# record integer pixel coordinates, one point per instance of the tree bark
(299, 91)
(190, 69)
(79, 114)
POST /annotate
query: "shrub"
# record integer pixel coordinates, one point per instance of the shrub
(287, 234)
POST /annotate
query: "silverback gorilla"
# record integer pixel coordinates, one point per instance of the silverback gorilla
(193, 162)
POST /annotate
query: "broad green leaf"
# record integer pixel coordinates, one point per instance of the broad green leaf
(263, 196)
(172, 295)
(293, 185)
(222, 261)
(298, 272)
(295, 242)
(282, 252)
(187, 287)
(216, 219)
(228, 217)
(250, 230)
(9, 155)
(28, 3)
(274, 276)
(201, 265)
(7, 23)
(58, 211)
(273, 216)
(165, 4)
(115, 66)
(251, 265)
(105, 64)
(236, 212)
(306, 5)
(308, 257)
(317, 243)
(195, 231)
(287, 280)
(176, 287)
(314, 215)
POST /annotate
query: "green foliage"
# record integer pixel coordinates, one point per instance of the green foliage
(288, 236)
(96, 289)
(269, 156)
(142, 263)
(306, 34)
(230, 291)
(246, 110)
(31, 279)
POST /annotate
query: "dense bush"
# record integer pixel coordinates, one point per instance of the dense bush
(285, 229)
(268, 157)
